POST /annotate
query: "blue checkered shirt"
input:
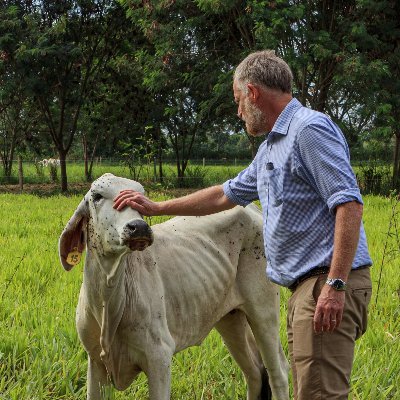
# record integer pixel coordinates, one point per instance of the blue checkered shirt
(300, 174)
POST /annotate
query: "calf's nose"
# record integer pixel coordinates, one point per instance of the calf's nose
(137, 235)
(138, 227)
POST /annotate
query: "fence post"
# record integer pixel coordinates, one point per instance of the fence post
(204, 162)
(20, 174)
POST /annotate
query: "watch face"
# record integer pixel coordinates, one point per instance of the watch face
(338, 284)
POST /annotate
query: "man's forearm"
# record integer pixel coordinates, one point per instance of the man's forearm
(330, 305)
(347, 232)
(203, 202)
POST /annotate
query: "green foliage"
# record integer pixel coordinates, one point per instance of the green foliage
(53, 173)
(65, 47)
(39, 171)
(80, 71)
(374, 178)
(187, 67)
(216, 6)
(195, 177)
(138, 156)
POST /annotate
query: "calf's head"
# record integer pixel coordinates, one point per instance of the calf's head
(100, 227)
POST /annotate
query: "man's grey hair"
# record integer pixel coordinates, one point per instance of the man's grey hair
(266, 69)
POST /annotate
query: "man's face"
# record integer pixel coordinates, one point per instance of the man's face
(256, 121)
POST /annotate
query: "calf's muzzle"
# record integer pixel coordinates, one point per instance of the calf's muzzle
(137, 235)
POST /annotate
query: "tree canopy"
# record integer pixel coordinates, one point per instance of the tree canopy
(137, 77)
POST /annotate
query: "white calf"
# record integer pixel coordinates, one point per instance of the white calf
(137, 308)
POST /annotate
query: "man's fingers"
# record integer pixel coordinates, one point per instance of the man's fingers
(128, 202)
(124, 198)
(135, 200)
(326, 320)
(317, 321)
(323, 322)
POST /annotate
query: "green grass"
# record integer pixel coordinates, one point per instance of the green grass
(40, 354)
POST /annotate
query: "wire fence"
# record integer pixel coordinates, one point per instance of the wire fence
(373, 177)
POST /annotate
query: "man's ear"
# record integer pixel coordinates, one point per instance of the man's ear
(253, 92)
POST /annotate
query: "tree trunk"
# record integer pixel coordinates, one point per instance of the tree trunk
(396, 162)
(85, 156)
(20, 174)
(180, 173)
(252, 146)
(88, 160)
(160, 166)
(89, 176)
(63, 170)
(159, 154)
(8, 162)
(8, 158)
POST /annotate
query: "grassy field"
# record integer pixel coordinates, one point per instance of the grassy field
(41, 357)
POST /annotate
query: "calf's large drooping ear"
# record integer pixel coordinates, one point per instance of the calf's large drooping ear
(73, 238)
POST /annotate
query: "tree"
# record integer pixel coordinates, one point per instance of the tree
(71, 42)
(117, 108)
(379, 29)
(165, 74)
(333, 48)
(188, 67)
(16, 116)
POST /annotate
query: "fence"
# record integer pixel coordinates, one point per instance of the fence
(373, 177)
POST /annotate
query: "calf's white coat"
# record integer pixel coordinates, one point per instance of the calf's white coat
(137, 308)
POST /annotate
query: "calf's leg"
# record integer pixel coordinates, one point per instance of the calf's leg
(265, 327)
(237, 335)
(158, 373)
(97, 380)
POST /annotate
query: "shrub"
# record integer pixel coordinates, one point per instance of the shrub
(195, 177)
(374, 179)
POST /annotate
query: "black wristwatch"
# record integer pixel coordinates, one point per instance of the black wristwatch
(336, 283)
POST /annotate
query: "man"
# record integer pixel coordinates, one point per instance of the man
(314, 239)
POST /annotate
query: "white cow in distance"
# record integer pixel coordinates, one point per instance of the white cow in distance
(49, 162)
(149, 292)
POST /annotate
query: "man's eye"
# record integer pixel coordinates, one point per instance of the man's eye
(96, 197)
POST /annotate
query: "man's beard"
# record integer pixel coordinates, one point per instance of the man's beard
(256, 121)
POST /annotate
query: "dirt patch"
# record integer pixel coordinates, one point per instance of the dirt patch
(45, 189)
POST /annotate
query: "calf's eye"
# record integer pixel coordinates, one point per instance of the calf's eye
(96, 197)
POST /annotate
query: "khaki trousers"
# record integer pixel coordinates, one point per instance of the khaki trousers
(321, 363)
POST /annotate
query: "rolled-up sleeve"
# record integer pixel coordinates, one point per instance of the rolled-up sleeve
(242, 190)
(344, 196)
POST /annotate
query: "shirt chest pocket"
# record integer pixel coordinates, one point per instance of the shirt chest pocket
(274, 186)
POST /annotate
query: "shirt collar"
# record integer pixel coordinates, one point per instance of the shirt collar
(281, 125)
